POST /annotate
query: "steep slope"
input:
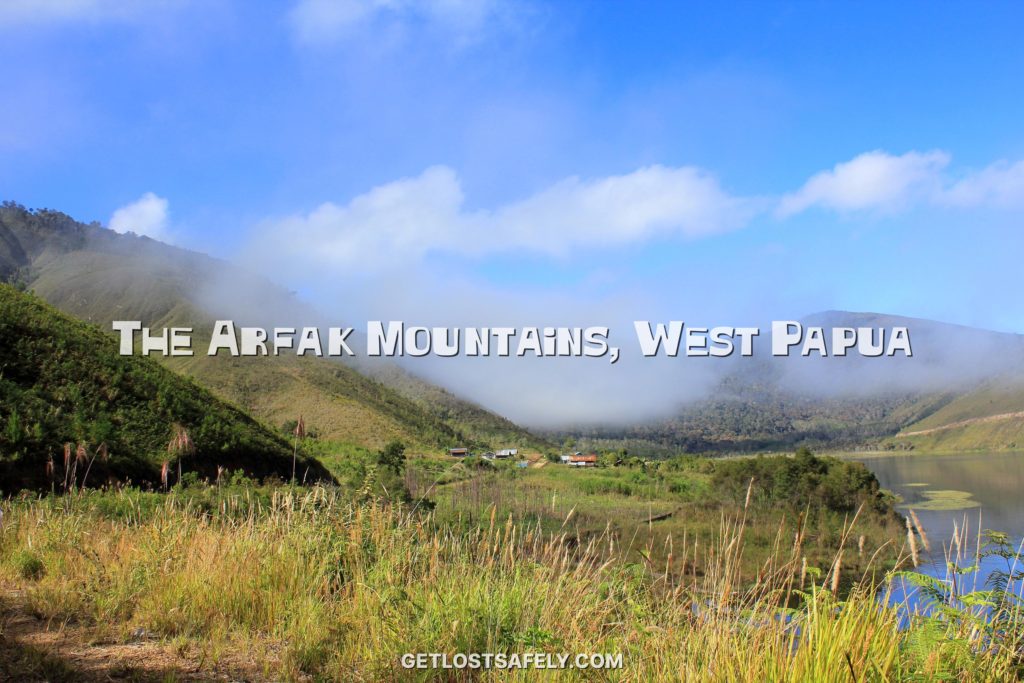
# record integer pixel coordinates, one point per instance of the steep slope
(99, 276)
(64, 381)
(336, 402)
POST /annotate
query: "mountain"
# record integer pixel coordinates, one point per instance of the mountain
(963, 389)
(63, 381)
(99, 276)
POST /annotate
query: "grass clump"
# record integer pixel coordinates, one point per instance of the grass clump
(27, 564)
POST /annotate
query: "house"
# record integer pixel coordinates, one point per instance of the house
(507, 452)
(458, 452)
(565, 459)
(583, 460)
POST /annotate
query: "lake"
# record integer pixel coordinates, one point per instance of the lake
(978, 489)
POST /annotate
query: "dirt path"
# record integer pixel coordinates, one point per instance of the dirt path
(963, 423)
(33, 649)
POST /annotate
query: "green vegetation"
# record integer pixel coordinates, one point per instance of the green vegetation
(74, 411)
(310, 584)
(747, 419)
(999, 397)
(740, 569)
(654, 507)
(98, 276)
(988, 418)
(944, 500)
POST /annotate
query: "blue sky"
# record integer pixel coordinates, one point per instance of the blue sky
(468, 161)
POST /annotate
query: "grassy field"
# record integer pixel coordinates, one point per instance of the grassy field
(237, 580)
(656, 509)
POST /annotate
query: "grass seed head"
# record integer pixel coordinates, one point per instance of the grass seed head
(912, 542)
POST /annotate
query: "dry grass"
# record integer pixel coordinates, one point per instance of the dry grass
(311, 584)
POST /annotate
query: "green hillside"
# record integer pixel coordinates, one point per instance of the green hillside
(63, 381)
(98, 275)
(476, 424)
(988, 418)
(336, 402)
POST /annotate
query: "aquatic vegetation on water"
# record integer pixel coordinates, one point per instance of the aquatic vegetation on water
(943, 500)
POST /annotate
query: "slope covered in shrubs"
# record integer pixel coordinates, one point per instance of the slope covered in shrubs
(65, 388)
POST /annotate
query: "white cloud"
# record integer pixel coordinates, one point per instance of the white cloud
(999, 185)
(145, 216)
(402, 221)
(874, 180)
(881, 181)
(318, 22)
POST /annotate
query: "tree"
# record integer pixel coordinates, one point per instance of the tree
(392, 457)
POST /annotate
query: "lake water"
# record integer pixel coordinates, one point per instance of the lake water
(987, 489)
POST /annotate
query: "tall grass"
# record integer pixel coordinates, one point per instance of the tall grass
(310, 583)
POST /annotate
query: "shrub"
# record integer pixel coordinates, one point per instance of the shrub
(28, 565)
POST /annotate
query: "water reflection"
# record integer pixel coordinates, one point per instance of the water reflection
(987, 487)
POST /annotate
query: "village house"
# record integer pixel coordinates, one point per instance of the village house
(458, 452)
(580, 460)
(507, 452)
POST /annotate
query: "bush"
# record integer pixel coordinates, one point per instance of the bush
(28, 565)
(802, 480)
